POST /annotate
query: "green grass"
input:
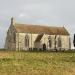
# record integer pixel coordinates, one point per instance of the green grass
(37, 63)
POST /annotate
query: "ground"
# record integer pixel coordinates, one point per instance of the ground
(37, 63)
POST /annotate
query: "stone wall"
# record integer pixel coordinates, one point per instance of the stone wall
(10, 44)
(64, 41)
(20, 41)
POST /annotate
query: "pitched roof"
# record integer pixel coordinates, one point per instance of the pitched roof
(25, 28)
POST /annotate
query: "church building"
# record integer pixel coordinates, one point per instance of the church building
(36, 37)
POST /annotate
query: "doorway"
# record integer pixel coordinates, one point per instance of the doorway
(44, 46)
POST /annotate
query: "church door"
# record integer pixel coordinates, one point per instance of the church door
(44, 46)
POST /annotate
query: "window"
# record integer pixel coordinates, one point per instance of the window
(26, 41)
(14, 37)
(49, 41)
(55, 42)
(59, 41)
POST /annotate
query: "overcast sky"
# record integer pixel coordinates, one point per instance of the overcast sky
(43, 12)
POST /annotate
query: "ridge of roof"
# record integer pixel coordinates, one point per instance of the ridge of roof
(38, 25)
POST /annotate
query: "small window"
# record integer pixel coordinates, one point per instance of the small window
(59, 42)
(49, 41)
(26, 41)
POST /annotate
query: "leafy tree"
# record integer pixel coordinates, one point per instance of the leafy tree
(74, 41)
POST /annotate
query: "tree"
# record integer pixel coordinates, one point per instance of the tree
(74, 41)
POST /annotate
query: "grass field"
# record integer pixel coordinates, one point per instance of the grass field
(37, 63)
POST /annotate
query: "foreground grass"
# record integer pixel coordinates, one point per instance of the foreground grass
(37, 63)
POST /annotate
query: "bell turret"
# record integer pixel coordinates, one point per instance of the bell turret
(12, 21)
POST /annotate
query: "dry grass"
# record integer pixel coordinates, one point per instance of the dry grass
(37, 63)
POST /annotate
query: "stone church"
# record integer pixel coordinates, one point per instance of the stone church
(37, 37)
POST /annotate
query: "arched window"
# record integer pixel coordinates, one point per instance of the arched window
(49, 41)
(26, 41)
(14, 37)
(59, 42)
